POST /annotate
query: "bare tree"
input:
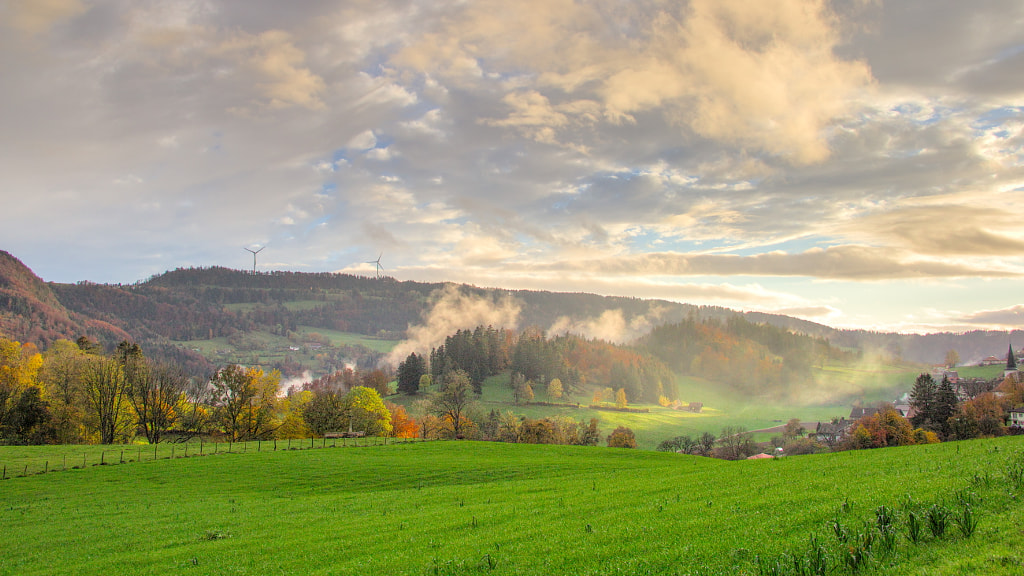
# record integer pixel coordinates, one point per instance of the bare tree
(736, 443)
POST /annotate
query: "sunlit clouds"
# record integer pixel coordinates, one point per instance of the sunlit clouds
(854, 163)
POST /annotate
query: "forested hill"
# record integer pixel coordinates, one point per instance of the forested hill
(756, 359)
(205, 303)
(31, 312)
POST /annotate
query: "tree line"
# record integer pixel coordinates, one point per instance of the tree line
(77, 392)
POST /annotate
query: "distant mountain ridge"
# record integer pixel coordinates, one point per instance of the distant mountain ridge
(202, 303)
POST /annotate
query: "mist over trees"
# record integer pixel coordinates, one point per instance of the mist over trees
(756, 358)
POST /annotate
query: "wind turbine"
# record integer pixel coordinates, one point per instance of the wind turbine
(254, 253)
(377, 262)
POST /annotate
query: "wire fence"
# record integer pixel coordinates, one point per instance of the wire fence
(22, 461)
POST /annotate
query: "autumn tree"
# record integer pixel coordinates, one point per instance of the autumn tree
(555, 389)
(454, 400)
(19, 369)
(61, 375)
(155, 396)
(620, 398)
(509, 427)
(378, 381)
(106, 395)
(952, 358)
(589, 434)
(883, 428)
(793, 429)
(364, 411)
(622, 437)
(244, 401)
(290, 409)
(402, 425)
(325, 412)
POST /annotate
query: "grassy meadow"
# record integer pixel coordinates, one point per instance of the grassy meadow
(836, 388)
(488, 508)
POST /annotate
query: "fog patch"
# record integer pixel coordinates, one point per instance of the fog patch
(286, 383)
(611, 325)
(454, 311)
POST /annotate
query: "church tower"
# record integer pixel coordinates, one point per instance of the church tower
(1011, 363)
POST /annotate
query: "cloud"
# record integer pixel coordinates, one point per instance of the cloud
(723, 152)
(1012, 317)
(277, 67)
(732, 71)
(849, 262)
(37, 16)
(365, 140)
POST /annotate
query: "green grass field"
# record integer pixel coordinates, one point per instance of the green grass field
(482, 508)
(723, 406)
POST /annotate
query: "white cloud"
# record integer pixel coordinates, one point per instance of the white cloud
(365, 140)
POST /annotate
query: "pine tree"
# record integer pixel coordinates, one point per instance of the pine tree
(409, 373)
(922, 400)
(944, 407)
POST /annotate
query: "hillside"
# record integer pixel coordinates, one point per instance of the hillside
(489, 508)
(315, 322)
(31, 312)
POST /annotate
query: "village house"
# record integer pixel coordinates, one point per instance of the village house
(1017, 417)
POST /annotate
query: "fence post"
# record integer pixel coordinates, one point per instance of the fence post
(172, 451)
(200, 445)
(139, 457)
(289, 443)
(83, 459)
(259, 445)
(275, 444)
(186, 449)
(310, 441)
(47, 467)
(26, 470)
(122, 456)
(230, 443)
(65, 461)
(216, 445)
(103, 455)
(5, 472)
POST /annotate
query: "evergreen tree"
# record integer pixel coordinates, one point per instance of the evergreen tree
(409, 373)
(944, 408)
(922, 400)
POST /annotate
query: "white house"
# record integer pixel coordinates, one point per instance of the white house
(1017, 417)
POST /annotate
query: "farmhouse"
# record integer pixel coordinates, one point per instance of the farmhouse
(1017, 417)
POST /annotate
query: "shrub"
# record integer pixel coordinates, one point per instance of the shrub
(622, 437)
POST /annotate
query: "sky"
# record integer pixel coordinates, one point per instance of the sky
(857, 163)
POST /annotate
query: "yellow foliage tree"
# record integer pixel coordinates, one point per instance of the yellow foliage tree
(555, 389)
